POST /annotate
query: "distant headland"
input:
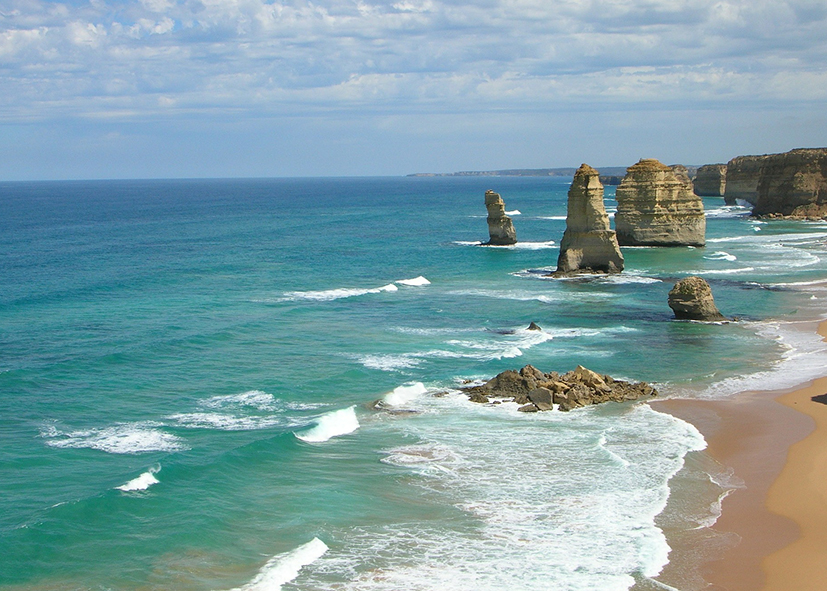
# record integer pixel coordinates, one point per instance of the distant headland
(609, 175)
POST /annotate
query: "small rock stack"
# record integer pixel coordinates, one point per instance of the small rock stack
(691, 299)
(500, 227)
(538, 391)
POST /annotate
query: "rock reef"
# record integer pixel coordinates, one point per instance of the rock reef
(588, 245)
(691, 299)
(538, 391)
(793, 184)
(500, 227)
(656, 207)
(710, 181)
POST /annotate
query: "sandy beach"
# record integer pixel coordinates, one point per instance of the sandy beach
(776, 443)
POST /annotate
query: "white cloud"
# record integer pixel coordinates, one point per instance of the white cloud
(406, 55)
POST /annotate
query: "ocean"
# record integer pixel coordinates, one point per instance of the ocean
(188, 370)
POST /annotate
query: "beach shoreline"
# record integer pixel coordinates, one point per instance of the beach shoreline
(775, 522)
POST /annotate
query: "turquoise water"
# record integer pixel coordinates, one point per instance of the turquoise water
(187, 370)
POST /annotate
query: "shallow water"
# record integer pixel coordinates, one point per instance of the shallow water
(187, 369)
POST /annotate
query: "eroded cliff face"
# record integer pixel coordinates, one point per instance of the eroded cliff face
(588, 245)
(711, 180)
(742, 176)
(500, 227)
(655, 207)
(793, 184)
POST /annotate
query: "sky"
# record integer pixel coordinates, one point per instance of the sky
(263, 88)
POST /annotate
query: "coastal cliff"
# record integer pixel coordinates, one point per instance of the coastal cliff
(742, 176)
(793, 184)
(588, 245)
(500, 227)
(656, 207)
(710, 181)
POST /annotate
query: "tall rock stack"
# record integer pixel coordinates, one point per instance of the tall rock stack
(588, 245)
(742, 176)
(793, 184)
(656, 208)
(710, 180)
(500, 227)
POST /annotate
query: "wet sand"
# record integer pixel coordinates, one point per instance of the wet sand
(776, 443)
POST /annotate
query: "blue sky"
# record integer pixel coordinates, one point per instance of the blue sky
(206, 88)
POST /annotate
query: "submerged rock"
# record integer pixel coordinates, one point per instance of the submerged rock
(500, 227)
(537, 391)
(656, 207)
(710, 180)
(588, 245)
(691, 299)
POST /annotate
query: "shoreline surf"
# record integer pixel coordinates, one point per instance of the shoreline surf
(769, 533)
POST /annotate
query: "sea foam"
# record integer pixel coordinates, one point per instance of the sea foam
(403, 394)
(283, 568)
(126, 438)
(142, 482)
(332, 424)
(415, 282)
(327, 295)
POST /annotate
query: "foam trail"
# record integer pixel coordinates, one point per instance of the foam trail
(415, 282)
(404, 394)
(142, 482)
(283, 568)
(328, 295)
(332, 424)
(514, 212)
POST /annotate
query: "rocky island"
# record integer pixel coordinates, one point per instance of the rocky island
(588, 244)
(538, 391)
(656, 207)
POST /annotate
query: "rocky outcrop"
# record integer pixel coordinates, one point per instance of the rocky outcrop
(655, 207)
(742, 176)
(500, 227)
(588, 245)
(537, 391)
(793, 184)
(691, 299)
(710, 180)
(682, 174)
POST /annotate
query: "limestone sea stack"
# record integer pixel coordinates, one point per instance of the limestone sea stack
(657, 208)
(710, 181)
(588, 245)
(691, 299)
(742, 176)
(500, 227)
(793, 184)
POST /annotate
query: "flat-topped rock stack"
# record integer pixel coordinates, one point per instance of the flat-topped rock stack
(538, 391)
(656, 207)
(588, 244)
(500, 227)
(710, 181)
